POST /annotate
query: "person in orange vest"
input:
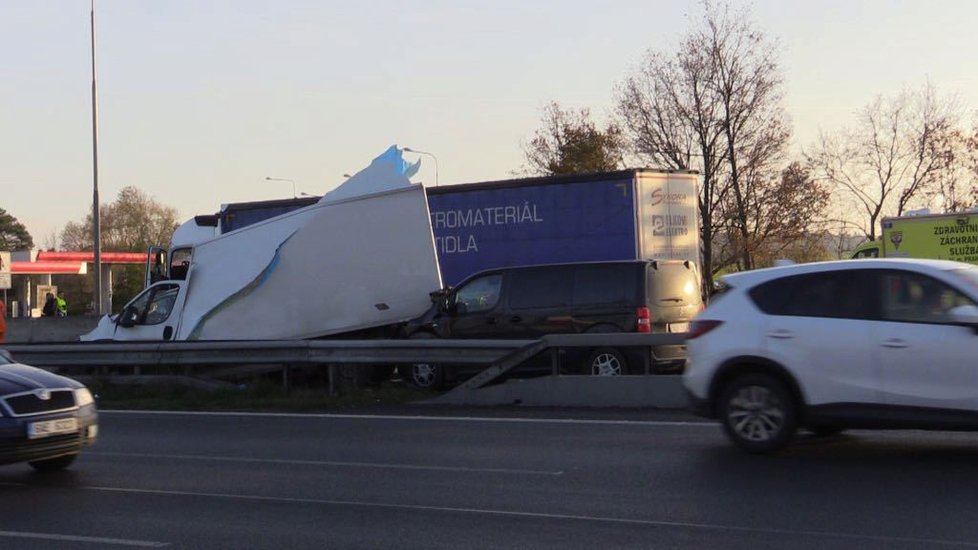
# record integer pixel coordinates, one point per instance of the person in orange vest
(3, 321)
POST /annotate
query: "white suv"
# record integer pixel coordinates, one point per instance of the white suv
(834, 345)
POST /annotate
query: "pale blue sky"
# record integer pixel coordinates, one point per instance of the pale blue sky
(200, 100)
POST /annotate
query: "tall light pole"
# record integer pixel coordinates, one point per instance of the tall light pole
(269, 178)
(409, 150)
(96, 222)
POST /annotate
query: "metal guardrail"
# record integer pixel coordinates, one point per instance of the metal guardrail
(498, 356)
(224, 352)
(83, 354)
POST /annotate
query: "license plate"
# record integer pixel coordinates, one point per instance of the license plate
(45, 428)
(679, 327)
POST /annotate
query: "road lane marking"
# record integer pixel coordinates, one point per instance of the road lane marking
(517, 420)
(295, 462)
(546, 516)
(76, 538)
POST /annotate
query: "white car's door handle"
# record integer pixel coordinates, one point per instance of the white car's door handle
(781, 334)
(895, 343)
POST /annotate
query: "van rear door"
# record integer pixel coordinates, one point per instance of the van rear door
(674, 295)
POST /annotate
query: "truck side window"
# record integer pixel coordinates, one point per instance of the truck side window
(480, 294)
(161, 305)
(180, 263)
(153, 305)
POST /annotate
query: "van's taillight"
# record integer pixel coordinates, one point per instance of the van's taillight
(699, 328)
(644, 323)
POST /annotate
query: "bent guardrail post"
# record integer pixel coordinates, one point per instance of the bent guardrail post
(502, 366)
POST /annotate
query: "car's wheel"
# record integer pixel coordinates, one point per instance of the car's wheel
(53, 464)
(606, 362)
(758, 413)
(427, 376)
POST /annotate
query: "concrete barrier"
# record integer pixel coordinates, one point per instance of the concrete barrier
(23, 330)
(655, 391)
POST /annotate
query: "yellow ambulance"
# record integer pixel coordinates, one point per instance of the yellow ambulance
(952, 236)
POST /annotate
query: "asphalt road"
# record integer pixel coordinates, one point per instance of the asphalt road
(459, 479)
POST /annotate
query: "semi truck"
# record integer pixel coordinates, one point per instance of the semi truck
(949, 236)
(622, 215)
(360, 260)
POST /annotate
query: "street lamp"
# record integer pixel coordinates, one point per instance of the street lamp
(96, 209)
(284, 179)
(409, 150)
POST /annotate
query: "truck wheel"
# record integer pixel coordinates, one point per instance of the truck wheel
(53, 464)
(758, 413)
(606, 362)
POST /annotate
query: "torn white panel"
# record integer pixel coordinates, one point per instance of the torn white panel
(387, 172)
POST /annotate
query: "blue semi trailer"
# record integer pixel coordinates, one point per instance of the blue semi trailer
(628, 214)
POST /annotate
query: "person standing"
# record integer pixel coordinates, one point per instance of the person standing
(50, 306)
(61, 305)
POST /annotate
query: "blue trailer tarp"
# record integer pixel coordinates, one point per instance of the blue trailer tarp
(480, 227)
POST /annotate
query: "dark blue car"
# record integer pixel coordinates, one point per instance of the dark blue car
(45, 419)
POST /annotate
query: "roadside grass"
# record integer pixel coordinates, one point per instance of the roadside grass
(262, 396)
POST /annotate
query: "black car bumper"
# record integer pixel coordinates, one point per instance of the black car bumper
(668, 359)
(15, 446)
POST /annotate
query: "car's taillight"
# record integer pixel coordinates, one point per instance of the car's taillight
(644, 322)
(701, 327)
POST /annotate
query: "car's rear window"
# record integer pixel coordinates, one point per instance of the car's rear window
(845, 294)
(674, 284)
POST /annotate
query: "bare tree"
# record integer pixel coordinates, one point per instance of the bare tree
(957, 186)
(130, 224)
(670, 116)
(748, 85)
(784, 218)
(51, 240)
(714, 106)
(570, 143)
(897, 155)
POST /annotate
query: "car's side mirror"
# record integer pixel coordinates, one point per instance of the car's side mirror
(128, 317)
(439, 295)
(965, 315)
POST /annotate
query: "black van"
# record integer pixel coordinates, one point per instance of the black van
(527, 302)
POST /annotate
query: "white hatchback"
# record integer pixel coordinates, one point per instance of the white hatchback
(889, 344)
